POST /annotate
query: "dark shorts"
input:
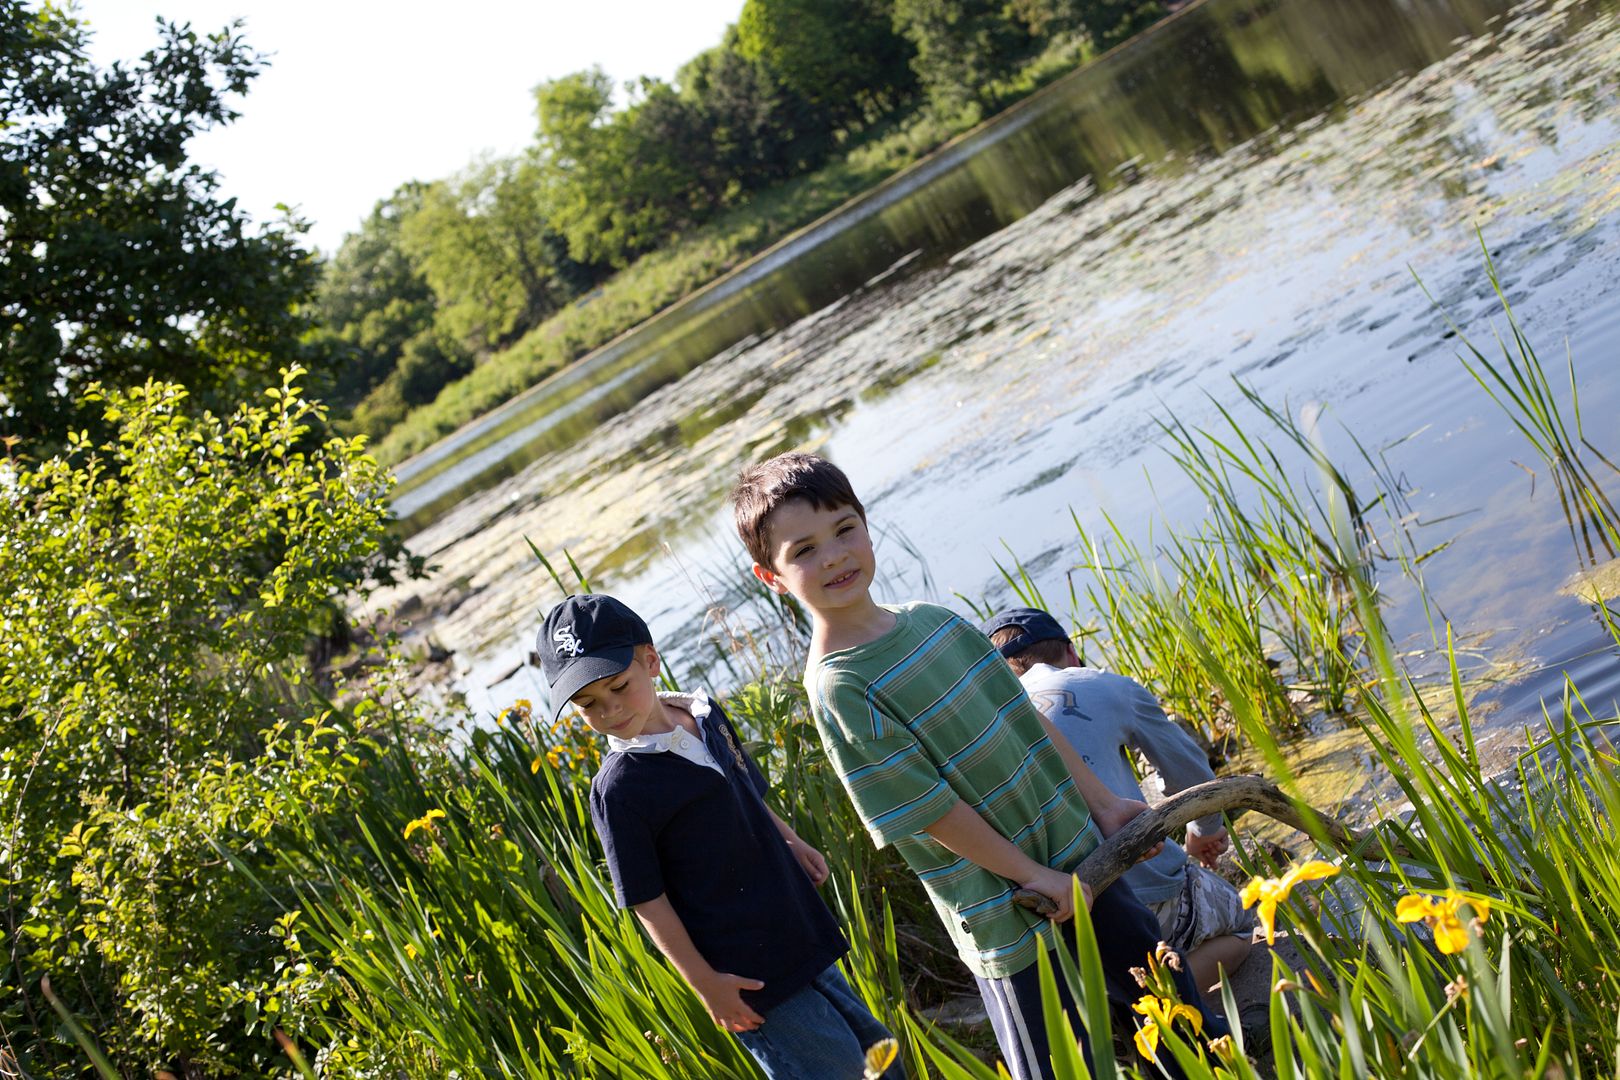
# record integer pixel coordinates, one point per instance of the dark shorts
(1127, 934)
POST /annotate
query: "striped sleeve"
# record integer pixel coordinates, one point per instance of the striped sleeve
(896, 789)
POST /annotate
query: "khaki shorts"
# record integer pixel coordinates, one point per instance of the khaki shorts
(1207, 907)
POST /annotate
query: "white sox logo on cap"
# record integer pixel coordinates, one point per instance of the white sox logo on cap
(567, 643)
(585, 638)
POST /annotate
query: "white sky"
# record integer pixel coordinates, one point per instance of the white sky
(362, 96)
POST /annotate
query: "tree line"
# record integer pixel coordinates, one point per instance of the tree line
(121, 260)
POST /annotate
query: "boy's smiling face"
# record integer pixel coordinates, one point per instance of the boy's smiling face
(822, 557)
(625, 705)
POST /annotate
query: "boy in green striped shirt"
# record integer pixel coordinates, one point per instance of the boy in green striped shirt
(945, 757)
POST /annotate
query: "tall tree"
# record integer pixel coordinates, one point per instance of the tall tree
(119, 260)
(628, 180)
(962, 45)
(1106, 22)
(843, 56)
(760, 132)
(486, 245)
(373, 299)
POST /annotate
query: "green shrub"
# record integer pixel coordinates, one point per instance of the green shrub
(156, 595)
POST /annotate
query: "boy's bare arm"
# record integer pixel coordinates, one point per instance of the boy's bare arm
(815, 865)
(718, 990)
(1108, 810)
(964, 831)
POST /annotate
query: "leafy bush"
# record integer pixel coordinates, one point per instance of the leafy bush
(156, 594)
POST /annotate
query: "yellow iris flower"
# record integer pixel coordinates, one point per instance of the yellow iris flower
(1147, 1041)
(1450, 932)
(423, 822)
(1269, 892)
(879, 1056)
(1161, 1012)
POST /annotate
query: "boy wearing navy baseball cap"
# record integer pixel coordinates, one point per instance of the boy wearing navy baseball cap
(724, 887)
(1106, 716)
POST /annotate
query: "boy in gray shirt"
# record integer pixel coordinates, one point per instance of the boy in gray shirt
(1105, 716)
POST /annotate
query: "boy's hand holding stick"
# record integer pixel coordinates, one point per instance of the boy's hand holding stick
(1119, 813)
(1052, 896)
(1206, 849)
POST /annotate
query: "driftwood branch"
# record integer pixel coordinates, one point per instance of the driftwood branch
(1228, 794)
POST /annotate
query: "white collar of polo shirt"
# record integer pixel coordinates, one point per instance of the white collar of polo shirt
(680, 742)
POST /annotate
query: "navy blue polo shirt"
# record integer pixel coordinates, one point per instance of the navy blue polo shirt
(670, 826)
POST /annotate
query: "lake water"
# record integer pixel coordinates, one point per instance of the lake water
(1250, 192)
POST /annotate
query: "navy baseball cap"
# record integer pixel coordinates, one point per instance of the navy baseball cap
(585, 638)
(1033, 624)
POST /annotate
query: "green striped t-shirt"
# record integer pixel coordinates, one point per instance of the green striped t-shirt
(928, 714)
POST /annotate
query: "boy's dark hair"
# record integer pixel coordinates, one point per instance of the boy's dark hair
(761, 488)
(1041, 652)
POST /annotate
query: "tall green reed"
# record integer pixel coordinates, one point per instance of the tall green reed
(1262, 581)
(1144, 616)
(1518, 383)
(1533, 993)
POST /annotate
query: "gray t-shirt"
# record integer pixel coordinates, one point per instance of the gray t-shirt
(1103, 714)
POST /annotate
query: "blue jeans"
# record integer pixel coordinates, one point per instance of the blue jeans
(820, 1033)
